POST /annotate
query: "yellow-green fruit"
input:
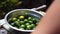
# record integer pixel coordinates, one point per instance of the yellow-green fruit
(22, 26)
(21, 17)
(29, 27)
(29, 18)
(14, 19)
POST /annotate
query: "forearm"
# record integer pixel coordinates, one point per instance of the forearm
(50, 22)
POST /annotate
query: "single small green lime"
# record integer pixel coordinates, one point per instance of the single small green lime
(30, 21)
(25, 20)
(14, 19)
(29, 27)
(29, 18)
(27, 24)
(22, 26)
(22, 22)
(17, 23)
(34, 19)
(33, 25)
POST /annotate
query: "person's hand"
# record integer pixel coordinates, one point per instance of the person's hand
(51, 21)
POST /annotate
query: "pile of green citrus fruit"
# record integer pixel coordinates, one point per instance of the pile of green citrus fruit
(24, 22)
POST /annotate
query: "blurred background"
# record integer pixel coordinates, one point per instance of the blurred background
(8, 5)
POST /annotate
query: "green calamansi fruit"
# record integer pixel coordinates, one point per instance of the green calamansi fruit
(29, 18)
(22, 26)
(30, 22)
(34, 19)
(14, 1)
(25, 20)
(27, 24)
(14, 19)
(17, 23)
(22, 22)
(29, 27)
(32, 25)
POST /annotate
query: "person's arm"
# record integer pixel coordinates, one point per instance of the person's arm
(50, 22)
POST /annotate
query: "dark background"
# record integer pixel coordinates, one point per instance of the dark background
(28, 4)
